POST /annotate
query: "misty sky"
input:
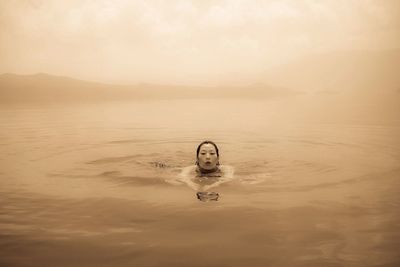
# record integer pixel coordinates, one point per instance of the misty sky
(184, 42)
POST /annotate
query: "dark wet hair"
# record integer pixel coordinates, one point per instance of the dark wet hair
(203, 143)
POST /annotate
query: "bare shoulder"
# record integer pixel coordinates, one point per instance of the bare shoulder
(227, 170)
(186, 171)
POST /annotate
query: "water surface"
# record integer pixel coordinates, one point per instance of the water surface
(83, 185)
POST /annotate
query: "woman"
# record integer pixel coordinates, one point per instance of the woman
(207, 172)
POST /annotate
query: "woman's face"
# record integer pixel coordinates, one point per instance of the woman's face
(207, 157)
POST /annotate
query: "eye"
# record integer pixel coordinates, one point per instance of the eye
(203, 153)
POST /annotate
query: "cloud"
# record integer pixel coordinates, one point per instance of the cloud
(187, 41)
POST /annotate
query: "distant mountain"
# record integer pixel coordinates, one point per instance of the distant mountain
(48, 88)
(342, 71)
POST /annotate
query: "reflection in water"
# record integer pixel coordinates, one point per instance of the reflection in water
(207, 196)
(89, 186)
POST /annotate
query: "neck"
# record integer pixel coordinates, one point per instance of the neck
(204, 171)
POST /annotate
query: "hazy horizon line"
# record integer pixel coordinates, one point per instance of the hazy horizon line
(220, 84)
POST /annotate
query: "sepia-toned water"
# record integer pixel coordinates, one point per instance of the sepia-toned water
(87, 185)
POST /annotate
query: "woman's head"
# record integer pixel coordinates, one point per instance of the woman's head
(207, 155)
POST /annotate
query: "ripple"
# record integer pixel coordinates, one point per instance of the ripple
(114, 159)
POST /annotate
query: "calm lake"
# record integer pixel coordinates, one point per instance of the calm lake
(87, 185)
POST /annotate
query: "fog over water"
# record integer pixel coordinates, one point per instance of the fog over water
(213, 42)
